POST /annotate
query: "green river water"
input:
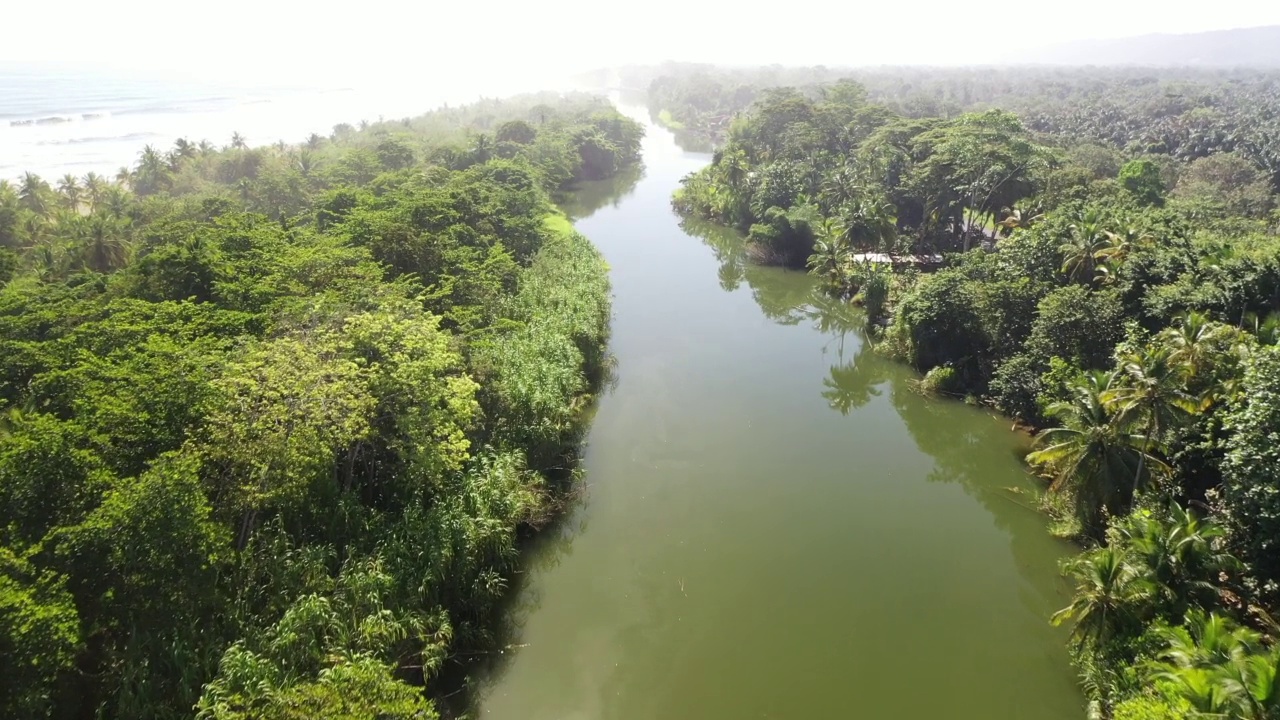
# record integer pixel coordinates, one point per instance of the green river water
(773, 523)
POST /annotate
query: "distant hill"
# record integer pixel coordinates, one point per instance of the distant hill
(1253, 47)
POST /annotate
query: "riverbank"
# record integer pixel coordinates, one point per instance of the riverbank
(772, 520)
(370, 360)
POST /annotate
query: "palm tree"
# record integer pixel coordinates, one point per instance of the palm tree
(1267, 329)
(734, 168)
(831, 256)
(124, 177)
(1117, 248)
(183, 150)
(1018, 217)
(1088, 246)
(1220, 668)
(314, 141)
(842, 187)
(69, 188)
(483, 148)
(35, 228)
(1092, 454)
(94, 187)
(103, 247)
(238, 141)
(869, 222)
(116, 201)
(152, 174)
(1178, 555)
(1153, 395)
(33, 192)
(1110, 594)
(50, 260)
(1190, 340)
(305, 161)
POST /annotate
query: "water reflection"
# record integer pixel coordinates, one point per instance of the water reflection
(975, 449)
(589, 197)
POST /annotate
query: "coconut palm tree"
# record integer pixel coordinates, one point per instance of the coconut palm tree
(1092, 455)
(33, 192)
(124, 177)
(94, 187)
(869, 223)
(1152, 394)
(103, 247)
(1190, 340)
(305, 161)
(1087, 246)
(152, 174)
(238, 141)
(1117, 248)
(69, 189)
(734, 168)
(831, 257)
(842, 187)
(1221, 669)
(1018, 217)
(49, 260)
(483, 148)
(35, 229)
(183, 149)
(1110, 595)
(115, 200)
(1179, 555)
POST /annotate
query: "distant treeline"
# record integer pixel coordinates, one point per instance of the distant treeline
(271, 418)
(1184, 113)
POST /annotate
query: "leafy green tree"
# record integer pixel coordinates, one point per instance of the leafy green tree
(142, 564)
(1079, 326)
(282, 413)
(1141, 178)
(49, 477)
(1251, 472)
(39, 637)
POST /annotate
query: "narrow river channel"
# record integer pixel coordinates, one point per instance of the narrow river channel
(774, 524)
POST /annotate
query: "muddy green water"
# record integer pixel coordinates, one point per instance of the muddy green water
(774, 525)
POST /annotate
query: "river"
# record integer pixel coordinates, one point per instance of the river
(773, 523)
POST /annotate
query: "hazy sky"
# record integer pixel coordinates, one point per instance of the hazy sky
(400, 40)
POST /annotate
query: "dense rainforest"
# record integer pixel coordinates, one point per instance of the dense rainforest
(275, 418)
(1093, 252)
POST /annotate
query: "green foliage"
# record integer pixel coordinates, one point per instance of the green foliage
(1143, 707)
(942, 380)
(39, 637)
(1123, 300)
(939, 323)
(1251, 472)
(272, 419)
(1076, 325)
(1141, 179)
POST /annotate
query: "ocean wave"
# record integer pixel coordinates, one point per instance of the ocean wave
(111, 138)
(48, 120)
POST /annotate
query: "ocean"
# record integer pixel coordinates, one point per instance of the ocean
(59, 121)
